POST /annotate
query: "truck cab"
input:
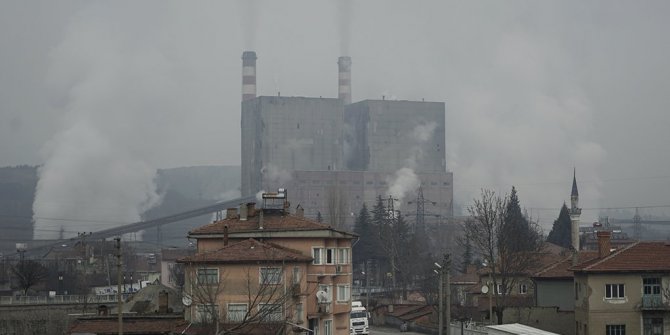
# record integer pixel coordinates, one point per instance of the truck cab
(359, 319)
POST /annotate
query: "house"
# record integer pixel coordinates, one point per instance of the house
(624, 292)
(267, 267)
(171, 272)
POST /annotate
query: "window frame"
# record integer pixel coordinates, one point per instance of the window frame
(523, 288)
(610, 291)
(201, 309)
(619, 329)
(331, 255)
(278, 313)
(229, 312)
(343, 256)
(653, 287)
(263, 276)
(328, 327)
(317, 260)
(204, 279)
(346, 289)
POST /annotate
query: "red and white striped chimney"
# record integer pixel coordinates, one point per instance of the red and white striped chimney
(344, 88)
(248, 75)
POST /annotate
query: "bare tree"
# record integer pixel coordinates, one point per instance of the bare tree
(267, 290)
(177, 275)
(28, 274)
(507, 261)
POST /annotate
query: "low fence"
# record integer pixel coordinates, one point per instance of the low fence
(62, 299)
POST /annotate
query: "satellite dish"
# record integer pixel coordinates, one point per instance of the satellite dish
(322, 297)
(186, 300)
(485, 289)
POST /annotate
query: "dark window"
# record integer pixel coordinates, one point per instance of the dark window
(615, 330)
(614, 291)
(651, 286)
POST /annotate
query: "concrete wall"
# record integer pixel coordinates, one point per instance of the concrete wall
(313, 189)
(545, 318)
(383, 135)
(555, 294)
(283, 134)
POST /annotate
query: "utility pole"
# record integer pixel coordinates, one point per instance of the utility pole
(444, 306)
(119, 297)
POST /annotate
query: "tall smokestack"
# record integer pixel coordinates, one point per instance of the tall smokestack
(344, 88)
(248, 75)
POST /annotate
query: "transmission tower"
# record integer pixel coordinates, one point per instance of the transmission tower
(420, 215)
(637, 225)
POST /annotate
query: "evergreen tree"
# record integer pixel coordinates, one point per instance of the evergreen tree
(560, 233)
(364, 249)
(517, 232)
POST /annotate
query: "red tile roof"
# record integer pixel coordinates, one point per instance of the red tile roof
(248, 251)
(643, 256)
(131, 325)
(271, 222)
(562, 268)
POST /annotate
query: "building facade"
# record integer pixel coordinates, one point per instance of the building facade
(625, 292)
(268, 269)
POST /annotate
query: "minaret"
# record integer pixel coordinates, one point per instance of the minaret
(575, 212)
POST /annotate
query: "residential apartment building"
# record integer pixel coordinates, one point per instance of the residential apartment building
(624, 292)
(261, 270)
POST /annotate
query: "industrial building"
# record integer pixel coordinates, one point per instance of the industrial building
(332, 155)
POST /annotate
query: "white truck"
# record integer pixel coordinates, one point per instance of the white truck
(358, 320)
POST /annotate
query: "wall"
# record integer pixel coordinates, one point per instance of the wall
(40, 319)
(283, 134)
(555, 293)
(545, 318)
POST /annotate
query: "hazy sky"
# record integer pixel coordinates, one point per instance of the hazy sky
(103, 93)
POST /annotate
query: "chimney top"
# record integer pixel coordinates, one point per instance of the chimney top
(604, 237)
(251, 55)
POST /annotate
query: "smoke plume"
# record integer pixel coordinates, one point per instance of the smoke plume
(344, 15)
(405, 180)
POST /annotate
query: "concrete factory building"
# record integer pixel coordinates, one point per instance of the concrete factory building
(332, 155)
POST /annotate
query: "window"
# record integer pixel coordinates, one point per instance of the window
(523, 288)
(651, 286)
(236, 312)
(208, 276)
(343, 256)
(330, 256)
(317, 253)
(343, 293)
(652, 326)
(270, 312)
(615, 330)
(499, 289)
(328, 327)
(206, 313)
(270, 276)
(614, 291)
(296, 275)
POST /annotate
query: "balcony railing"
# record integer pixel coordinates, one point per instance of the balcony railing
(653, 302)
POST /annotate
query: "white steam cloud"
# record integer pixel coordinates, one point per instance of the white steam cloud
(123, 99)
(405, 180)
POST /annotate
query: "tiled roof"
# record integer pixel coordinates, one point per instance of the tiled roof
(173, 254)
(248, 251)
(271, 222)
(131, 325)
(561, 268)
(643, 256)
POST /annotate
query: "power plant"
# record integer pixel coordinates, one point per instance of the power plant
(333, 154)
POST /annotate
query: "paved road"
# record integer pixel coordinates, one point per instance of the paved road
(382, 331)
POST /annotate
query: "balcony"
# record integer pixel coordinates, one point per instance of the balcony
(653, 302)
